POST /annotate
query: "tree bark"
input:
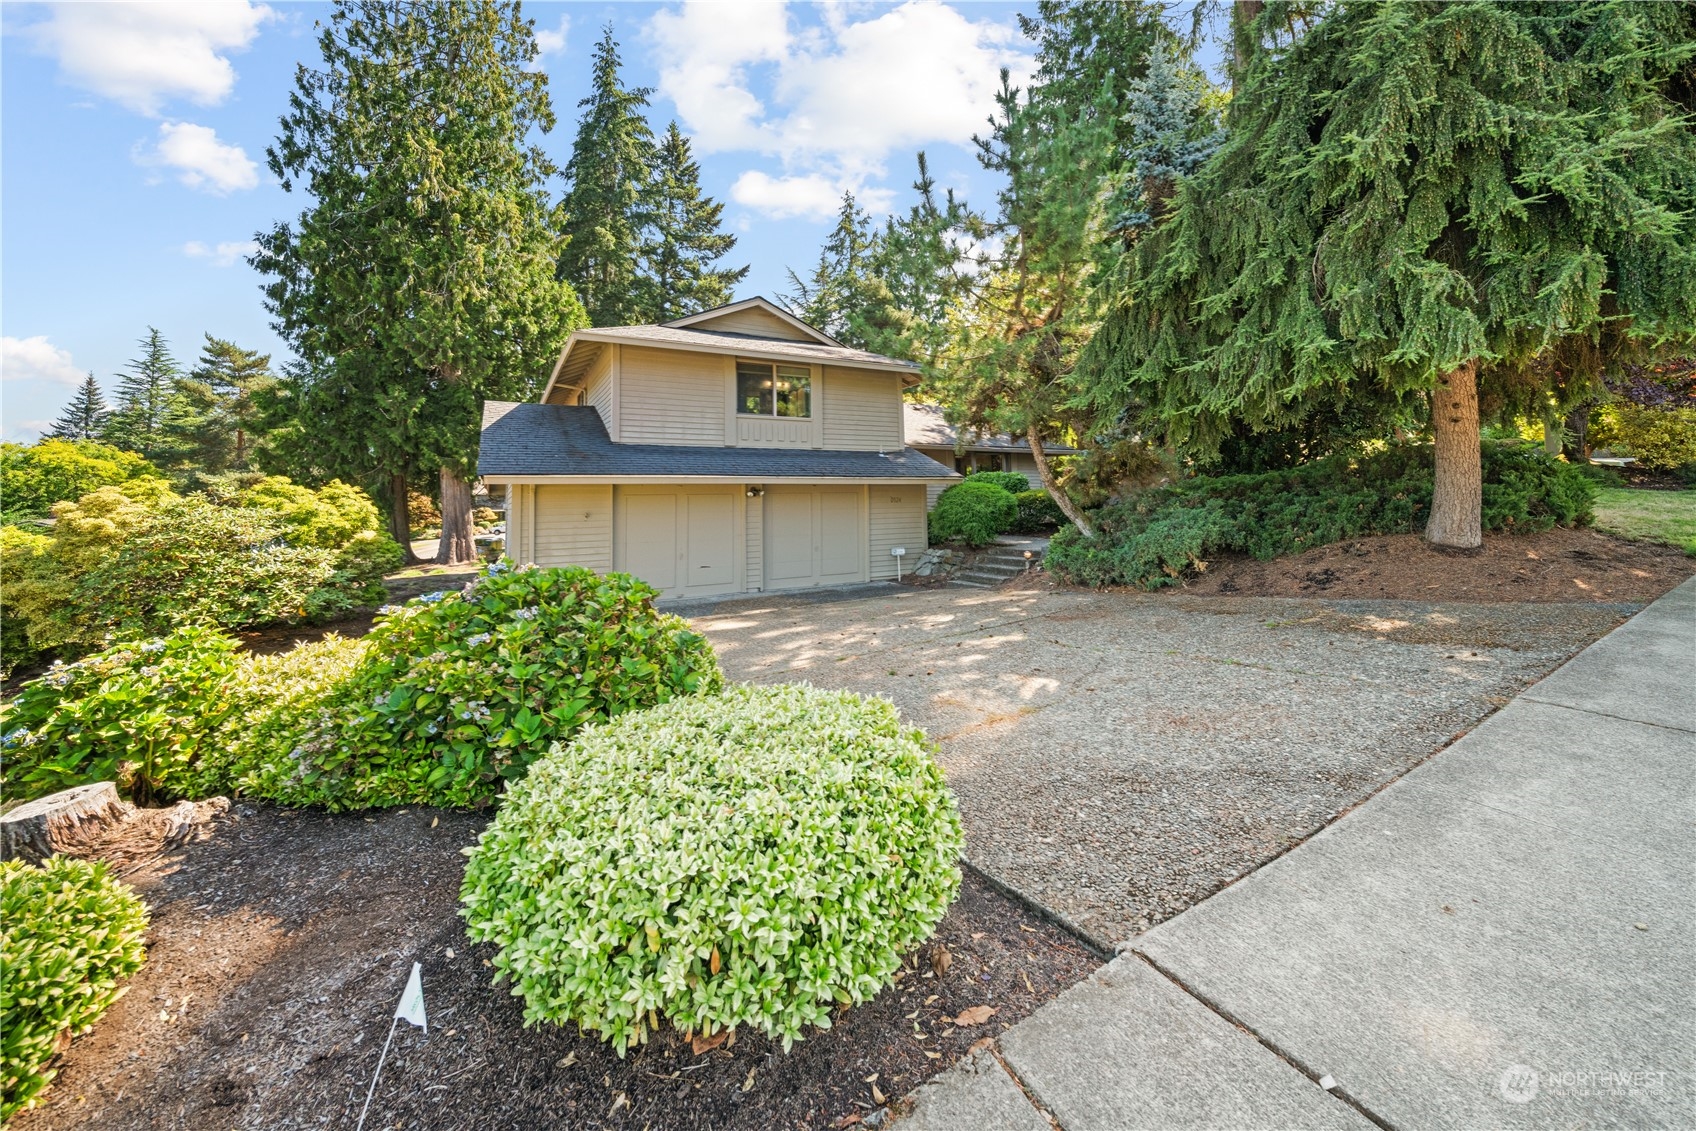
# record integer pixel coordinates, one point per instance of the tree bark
(1578, 435)
(1055, 491)
(61, 822)
(1553, 433)
(459, 543)
(1457, 497)
(400, 519)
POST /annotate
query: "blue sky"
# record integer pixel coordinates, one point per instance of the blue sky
(132, 170)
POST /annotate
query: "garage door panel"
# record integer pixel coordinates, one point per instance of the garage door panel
(840, 551)
(650, 539)
(711, 557)
(789, 537)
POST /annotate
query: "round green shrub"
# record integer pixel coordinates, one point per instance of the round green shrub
(752, 858)
(1037, 512)
(456, 693)
(69, 933)
(1009, 481)
(1662, 439)
(973, 513)
(137, 713)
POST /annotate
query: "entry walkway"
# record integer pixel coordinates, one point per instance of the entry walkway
(1501, 938)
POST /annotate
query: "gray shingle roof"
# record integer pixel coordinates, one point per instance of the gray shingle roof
(926, 427)
(521, 440)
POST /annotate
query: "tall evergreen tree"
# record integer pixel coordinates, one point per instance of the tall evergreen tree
(213, 415)
(85, 417)
(838, 286)
(683, 239)
(421, 279)
(605, 208)
(144, 395)
(1415, 203)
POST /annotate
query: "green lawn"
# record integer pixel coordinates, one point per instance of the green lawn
(1649, 516)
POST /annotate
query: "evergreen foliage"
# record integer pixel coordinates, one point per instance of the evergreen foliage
(421, 280)
(605, 209)
(683, 240)
(1409, 194)
(85, 417)
(841, 283)
(213, 424)
(144, 398)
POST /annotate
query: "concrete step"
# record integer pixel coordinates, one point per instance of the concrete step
(985, 577)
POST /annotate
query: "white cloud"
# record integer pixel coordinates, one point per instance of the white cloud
(201, 161)
(225, 254)
(812, 195)
(37, 359)
(141, 55)
(840, 98)
(553, 42)
(27, 431)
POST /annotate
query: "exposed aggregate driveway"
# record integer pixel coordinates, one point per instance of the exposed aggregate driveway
(1118, 758)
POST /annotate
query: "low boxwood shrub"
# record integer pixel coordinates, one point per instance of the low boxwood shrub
(136, 714)
(973, 513)
(1037, 512)
(1009, 481)
(456, 693)
(752, 858)
(69, 934)
(1156, 537)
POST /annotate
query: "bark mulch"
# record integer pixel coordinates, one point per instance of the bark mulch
(1554, 565)
(280, 946)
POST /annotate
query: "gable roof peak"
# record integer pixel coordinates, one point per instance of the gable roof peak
(759, 303)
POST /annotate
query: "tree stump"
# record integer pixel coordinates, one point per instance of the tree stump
(62, 822)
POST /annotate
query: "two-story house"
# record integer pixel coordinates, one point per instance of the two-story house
(737, 450)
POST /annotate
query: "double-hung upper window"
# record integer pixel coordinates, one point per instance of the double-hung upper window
(767, 389)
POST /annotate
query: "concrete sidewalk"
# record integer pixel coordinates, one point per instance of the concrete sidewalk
(1502, 938)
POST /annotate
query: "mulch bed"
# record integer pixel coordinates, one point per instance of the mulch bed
(280, 946)
(1559, 565)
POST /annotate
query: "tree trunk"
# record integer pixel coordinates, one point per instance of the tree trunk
(61, 822)
(1553, 433)
(1457, 496)
(1578, 435)
(458, 541)
(1055, 492)
(400, 519)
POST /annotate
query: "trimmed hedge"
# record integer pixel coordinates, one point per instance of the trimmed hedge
(973, 513)
(1037, 512)
(69, 933)
(1157, 537)
(753, 858)
(1009, 481)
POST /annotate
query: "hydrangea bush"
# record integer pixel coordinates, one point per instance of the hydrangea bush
(457, 692)
(69, 933)
(752, 858)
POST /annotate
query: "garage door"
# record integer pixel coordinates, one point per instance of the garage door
(813, 537)
(683, 543)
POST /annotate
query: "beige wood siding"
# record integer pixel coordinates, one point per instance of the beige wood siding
(753, 524)
(862, 411)
(897, 519)
(670, 397)
(754, 322)
(569, 526)
(1025, 465)
(598, 388)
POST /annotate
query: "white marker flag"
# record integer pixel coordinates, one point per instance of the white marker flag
(411, 1006)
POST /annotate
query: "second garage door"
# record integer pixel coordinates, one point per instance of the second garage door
(682, 542)
(813, 536)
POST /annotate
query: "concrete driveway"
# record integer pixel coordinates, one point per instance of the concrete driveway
(1117, 757)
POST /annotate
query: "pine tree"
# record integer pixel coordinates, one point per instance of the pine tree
(421, 280)
(1417, 202)
(683, 239)
(85, 417)
(605, 209)
(211, 423)
(837, 288)
(144, 395)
